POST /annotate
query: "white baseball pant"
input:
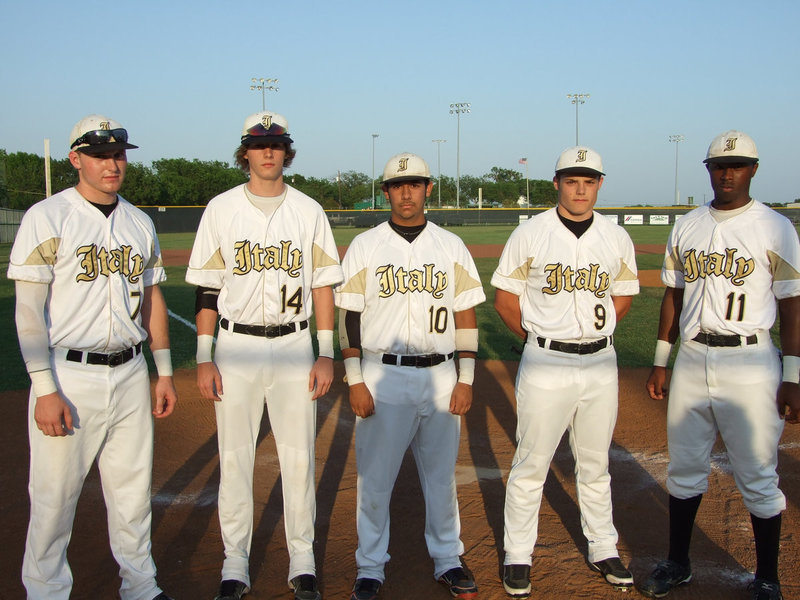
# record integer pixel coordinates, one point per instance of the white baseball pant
(731, 391)
(112, 420)
(276, 370)
(556, 392)
(411, 409)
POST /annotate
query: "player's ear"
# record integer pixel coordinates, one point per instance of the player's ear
(555, 182)
(429, 189)
(600, 182)
(755, 168)
(75, 159)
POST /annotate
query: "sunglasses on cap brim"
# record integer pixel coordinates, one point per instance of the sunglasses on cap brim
(102, 136)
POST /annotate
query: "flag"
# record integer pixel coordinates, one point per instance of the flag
(523, 161)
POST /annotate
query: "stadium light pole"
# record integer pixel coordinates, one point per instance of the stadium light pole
(259, 83)
(457, 108)
(439, 162)
(577, 99)
(374, 135)
(677, 138)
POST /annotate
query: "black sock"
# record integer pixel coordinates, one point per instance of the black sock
(767, 533)
(681, 522)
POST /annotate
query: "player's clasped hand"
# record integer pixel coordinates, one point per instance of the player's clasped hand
(52, 415)
(789, 398)
(461, 399)
(657, 383)
(209, 381)
(321, 377)
(361, 400)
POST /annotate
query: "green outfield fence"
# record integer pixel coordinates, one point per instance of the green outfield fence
(182, 219)
(185, 219)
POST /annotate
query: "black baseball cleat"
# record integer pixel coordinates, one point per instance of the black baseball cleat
(667, 575)
(766, 590)
(517, 580)
(231, 589)
(365, 589)
(305, 587)
(614, 573)
(162, 596)
(460, 583)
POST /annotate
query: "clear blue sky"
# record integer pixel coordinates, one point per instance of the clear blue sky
(177, 75)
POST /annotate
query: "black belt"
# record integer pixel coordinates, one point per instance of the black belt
(269, 331)
(575, 348)
(419, 361)
(719, 339)
(112, 360)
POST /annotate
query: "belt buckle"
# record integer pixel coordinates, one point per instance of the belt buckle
(115, 359)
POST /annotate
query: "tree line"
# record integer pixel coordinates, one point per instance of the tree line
(184, 182)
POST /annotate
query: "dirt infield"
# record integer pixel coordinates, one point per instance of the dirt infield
(186, 538)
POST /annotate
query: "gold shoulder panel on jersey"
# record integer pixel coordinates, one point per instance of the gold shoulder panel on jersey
(215, 263)
(781, 270)
(320, 258)
(357, 284)
(521, 272)
(45, 253)
(464, 281)
(625, 273)
(673, 262)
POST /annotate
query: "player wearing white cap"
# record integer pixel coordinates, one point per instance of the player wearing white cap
(407, 303)
(725, 266)
(565, 278)
(87, 267)
(263, 256)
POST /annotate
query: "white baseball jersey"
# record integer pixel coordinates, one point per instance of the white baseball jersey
(264, 267)
(732, 270)
(97, 268)
(565, 283)
(407, 292)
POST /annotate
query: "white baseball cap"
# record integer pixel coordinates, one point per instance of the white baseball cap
(579, 160)
(732, 146)
(96, 134)
(264, 127)
(405, 166)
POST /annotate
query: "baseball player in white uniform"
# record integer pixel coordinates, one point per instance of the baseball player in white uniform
(565, 278)
(407, 303)
(263, 255)
(87, 267)
(725, 266)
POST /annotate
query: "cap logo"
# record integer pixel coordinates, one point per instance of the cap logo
(581, 156)
(266, 121)
(730, 144)
(402, 165)
(105, 125)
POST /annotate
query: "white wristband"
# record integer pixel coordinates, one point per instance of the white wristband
(43, 383)
(352, 369)
(791, 368)
(663, 350)
(204, 343)
(325, 340)
(466, 370)
(467, 340)
(163, 360)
